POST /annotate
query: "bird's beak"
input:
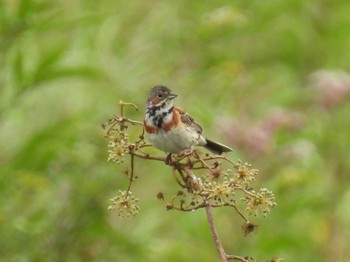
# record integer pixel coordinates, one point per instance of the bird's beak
(171, 96)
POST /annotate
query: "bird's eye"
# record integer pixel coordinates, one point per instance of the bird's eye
(159, 95)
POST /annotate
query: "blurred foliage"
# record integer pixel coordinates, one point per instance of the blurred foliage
(64, 66)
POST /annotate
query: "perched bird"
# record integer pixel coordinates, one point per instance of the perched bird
(172, 130)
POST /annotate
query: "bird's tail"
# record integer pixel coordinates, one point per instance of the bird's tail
(216, 148)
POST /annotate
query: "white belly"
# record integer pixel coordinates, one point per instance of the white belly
(176, 140)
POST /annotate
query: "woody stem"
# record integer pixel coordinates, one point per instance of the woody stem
(131, 178)
(215, 235)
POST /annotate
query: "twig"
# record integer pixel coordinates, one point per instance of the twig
(219, 247)
(212, 157)
(239, 258)
(181, 184)
(240, 213)
(204, 164)
(215, 235)
(122, 104)
(146, 156)
(131, 178)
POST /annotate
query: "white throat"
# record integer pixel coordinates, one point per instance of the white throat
(157, 115)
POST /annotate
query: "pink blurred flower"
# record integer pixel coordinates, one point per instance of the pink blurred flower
(332, 87)
(258, 139)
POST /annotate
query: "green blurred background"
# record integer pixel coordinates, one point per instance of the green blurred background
(269, 78)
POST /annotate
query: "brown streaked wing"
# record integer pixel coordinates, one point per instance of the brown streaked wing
(188, 120)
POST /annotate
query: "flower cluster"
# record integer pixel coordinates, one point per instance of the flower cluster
(245, 175)
(125, 204)
(219, 189)
(261, 201)
(118, 146)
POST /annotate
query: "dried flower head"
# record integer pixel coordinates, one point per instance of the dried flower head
(248, 228)
(160, 196)
(125, 204)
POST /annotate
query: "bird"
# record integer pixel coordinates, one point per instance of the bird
(171, 129)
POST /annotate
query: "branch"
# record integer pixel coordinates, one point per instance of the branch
(214, 233)
(143, 155)
(239, 258)
(219, 247)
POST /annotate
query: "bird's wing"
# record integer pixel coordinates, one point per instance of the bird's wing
(189, 121)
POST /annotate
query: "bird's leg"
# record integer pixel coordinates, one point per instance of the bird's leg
(169, 159)
(184, 153)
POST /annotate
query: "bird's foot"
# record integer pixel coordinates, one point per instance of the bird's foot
(184, 153)
(169, 159)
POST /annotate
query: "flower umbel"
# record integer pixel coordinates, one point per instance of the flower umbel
(245, 175)
(220, 190)
(261, 201)
(125, 204)
(118, 146)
